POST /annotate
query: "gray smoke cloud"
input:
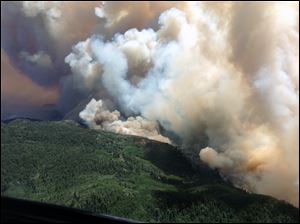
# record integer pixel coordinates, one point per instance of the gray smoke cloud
(37, 36)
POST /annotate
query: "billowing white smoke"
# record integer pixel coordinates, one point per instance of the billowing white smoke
(41, 58)
(51, 9)
(232, 78)
(98, 117)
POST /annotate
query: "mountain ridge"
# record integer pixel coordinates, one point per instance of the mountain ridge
(129, 176)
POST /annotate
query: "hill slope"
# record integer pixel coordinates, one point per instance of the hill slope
(132, 177)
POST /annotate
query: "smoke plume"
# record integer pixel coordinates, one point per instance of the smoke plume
(233, 81)
(98, 117)
(220, 78)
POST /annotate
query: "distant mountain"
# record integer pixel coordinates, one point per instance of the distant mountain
(63, 163)
(48, 112)
(8, 120)
(74, 113)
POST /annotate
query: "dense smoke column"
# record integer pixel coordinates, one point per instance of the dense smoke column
(223, 81)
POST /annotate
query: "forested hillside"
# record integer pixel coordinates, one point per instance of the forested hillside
(64, 163)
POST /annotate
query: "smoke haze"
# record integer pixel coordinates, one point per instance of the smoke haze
(219, 78)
